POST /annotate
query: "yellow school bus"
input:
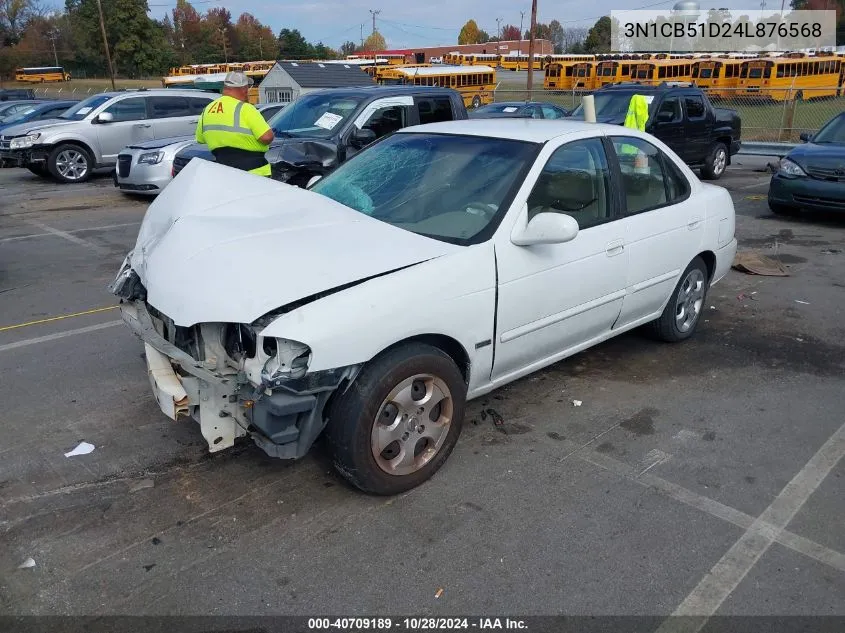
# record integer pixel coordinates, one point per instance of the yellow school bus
(482, 59)
(475, 83)
(570, 76)
(454, 59)
(656, 72)
(718, 75)
(613, 71)
(793, 76)
(41, 74)
(519, 62)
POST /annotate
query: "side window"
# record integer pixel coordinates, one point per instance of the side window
(387, 120)
(133, 109)
(535, 112)
(165, 107)
(677, 185)
(695, 107)
(196, 105)
(576, 182)
(643, 177)
(669, 111)
(434, 110)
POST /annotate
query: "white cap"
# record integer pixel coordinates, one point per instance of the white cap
(237, 80)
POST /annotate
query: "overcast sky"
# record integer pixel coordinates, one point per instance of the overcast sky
(419, 23)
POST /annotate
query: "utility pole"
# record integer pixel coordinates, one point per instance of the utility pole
(499, 29)
(521, 18)
(222, 31)
(52, 35)
(362, 37)
(374, 14)
(106, 44)
(531, 46)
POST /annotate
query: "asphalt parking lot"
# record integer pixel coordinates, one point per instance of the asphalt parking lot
(701, 478)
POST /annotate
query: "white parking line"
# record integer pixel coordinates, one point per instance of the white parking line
(58, 335)
(53, 234)
(760, 183)
(725, 576)
(68, 236)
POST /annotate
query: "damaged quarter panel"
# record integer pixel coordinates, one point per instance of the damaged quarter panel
(451, 296)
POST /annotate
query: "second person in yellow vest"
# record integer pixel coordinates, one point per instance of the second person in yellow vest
(234, 129)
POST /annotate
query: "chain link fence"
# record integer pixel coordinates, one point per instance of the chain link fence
(780, 116)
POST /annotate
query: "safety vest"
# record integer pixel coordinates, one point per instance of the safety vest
(231, 129)
(635, 119)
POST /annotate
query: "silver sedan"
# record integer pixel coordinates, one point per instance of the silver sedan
(147, 168)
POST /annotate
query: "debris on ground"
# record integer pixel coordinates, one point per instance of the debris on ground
(29, 563)
(141, 485)
(497, 418)
(149, 567)
(577, 403)
(83, 448)
(156, 540)
(804, 303)
(831, 251)
(438, 593)
(757, 264)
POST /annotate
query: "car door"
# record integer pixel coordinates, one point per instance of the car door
(669, 125)
(697, 128)
(557, 297)
(172, 116)
(382, 117)
(129, 125)
(662, 224)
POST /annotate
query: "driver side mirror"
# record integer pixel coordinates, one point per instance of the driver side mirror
(805, 137)
(104, 117)
(545, 228)
(361, 137)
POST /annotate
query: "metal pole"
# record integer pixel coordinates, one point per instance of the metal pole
(531, 46)
(52, 37)
(521, 18)
(106, 44)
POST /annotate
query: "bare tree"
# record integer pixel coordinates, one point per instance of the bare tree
(14, 15)
(574, 36)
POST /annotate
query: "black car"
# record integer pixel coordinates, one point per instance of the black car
(519, 110)
(681, 116)
(812, 176)
(322, 129)
(17, 94)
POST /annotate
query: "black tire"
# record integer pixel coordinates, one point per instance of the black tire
(666, 328)
(353, 416)
(799, 96)
(63, 156)
(781, 209)
(39, 170)
(715, 163)
(476, 101)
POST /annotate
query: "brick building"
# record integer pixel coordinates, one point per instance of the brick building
(424, 54)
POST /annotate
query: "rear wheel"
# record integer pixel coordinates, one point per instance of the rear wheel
(396, 425)
(715, 163)
(70, 163)
(683, 312)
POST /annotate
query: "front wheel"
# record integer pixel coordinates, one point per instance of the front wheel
(70, 163)
(683, 312)
(476, 101)
(396, 425)
(715, 163)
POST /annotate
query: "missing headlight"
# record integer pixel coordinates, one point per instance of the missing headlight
(239, 341)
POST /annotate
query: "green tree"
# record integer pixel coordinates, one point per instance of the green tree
(292, 45)
(598, 39)
(375, 42)
(483, 37)
(255, 40)
(469, 33)
(321, 51)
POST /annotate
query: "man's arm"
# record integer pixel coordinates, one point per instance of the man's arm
(262, 132)
(267, 137)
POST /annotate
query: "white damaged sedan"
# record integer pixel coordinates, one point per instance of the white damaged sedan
(435, 266)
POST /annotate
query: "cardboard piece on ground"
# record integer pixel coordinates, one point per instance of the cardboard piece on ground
(757, 264)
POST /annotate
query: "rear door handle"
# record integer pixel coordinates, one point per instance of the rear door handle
(615, 248)
(694, 223)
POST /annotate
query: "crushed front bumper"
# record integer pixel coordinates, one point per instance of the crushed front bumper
(283, 420)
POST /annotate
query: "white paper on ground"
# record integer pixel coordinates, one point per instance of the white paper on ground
(27, 564)
(82, 449)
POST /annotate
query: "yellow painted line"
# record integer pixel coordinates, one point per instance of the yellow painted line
(57, 318)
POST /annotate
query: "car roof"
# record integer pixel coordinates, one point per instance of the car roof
(160, 92)
(627, 86)
(384, 91)
(532, 130)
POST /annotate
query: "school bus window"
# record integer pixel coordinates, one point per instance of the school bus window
(626, 70)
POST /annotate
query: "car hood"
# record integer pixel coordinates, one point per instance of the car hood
(222, 245)
(499, 115)
(819, 155)
(21, 129)
(160, 142)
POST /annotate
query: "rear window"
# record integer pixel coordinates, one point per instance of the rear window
(434, 110)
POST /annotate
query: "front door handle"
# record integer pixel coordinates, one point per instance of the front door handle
(194, 121)
(615, 248)
(694, 223)
(142, 125)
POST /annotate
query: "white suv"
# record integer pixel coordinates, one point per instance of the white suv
(90, 135)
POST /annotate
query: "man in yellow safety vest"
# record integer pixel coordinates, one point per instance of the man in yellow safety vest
(234, 129)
